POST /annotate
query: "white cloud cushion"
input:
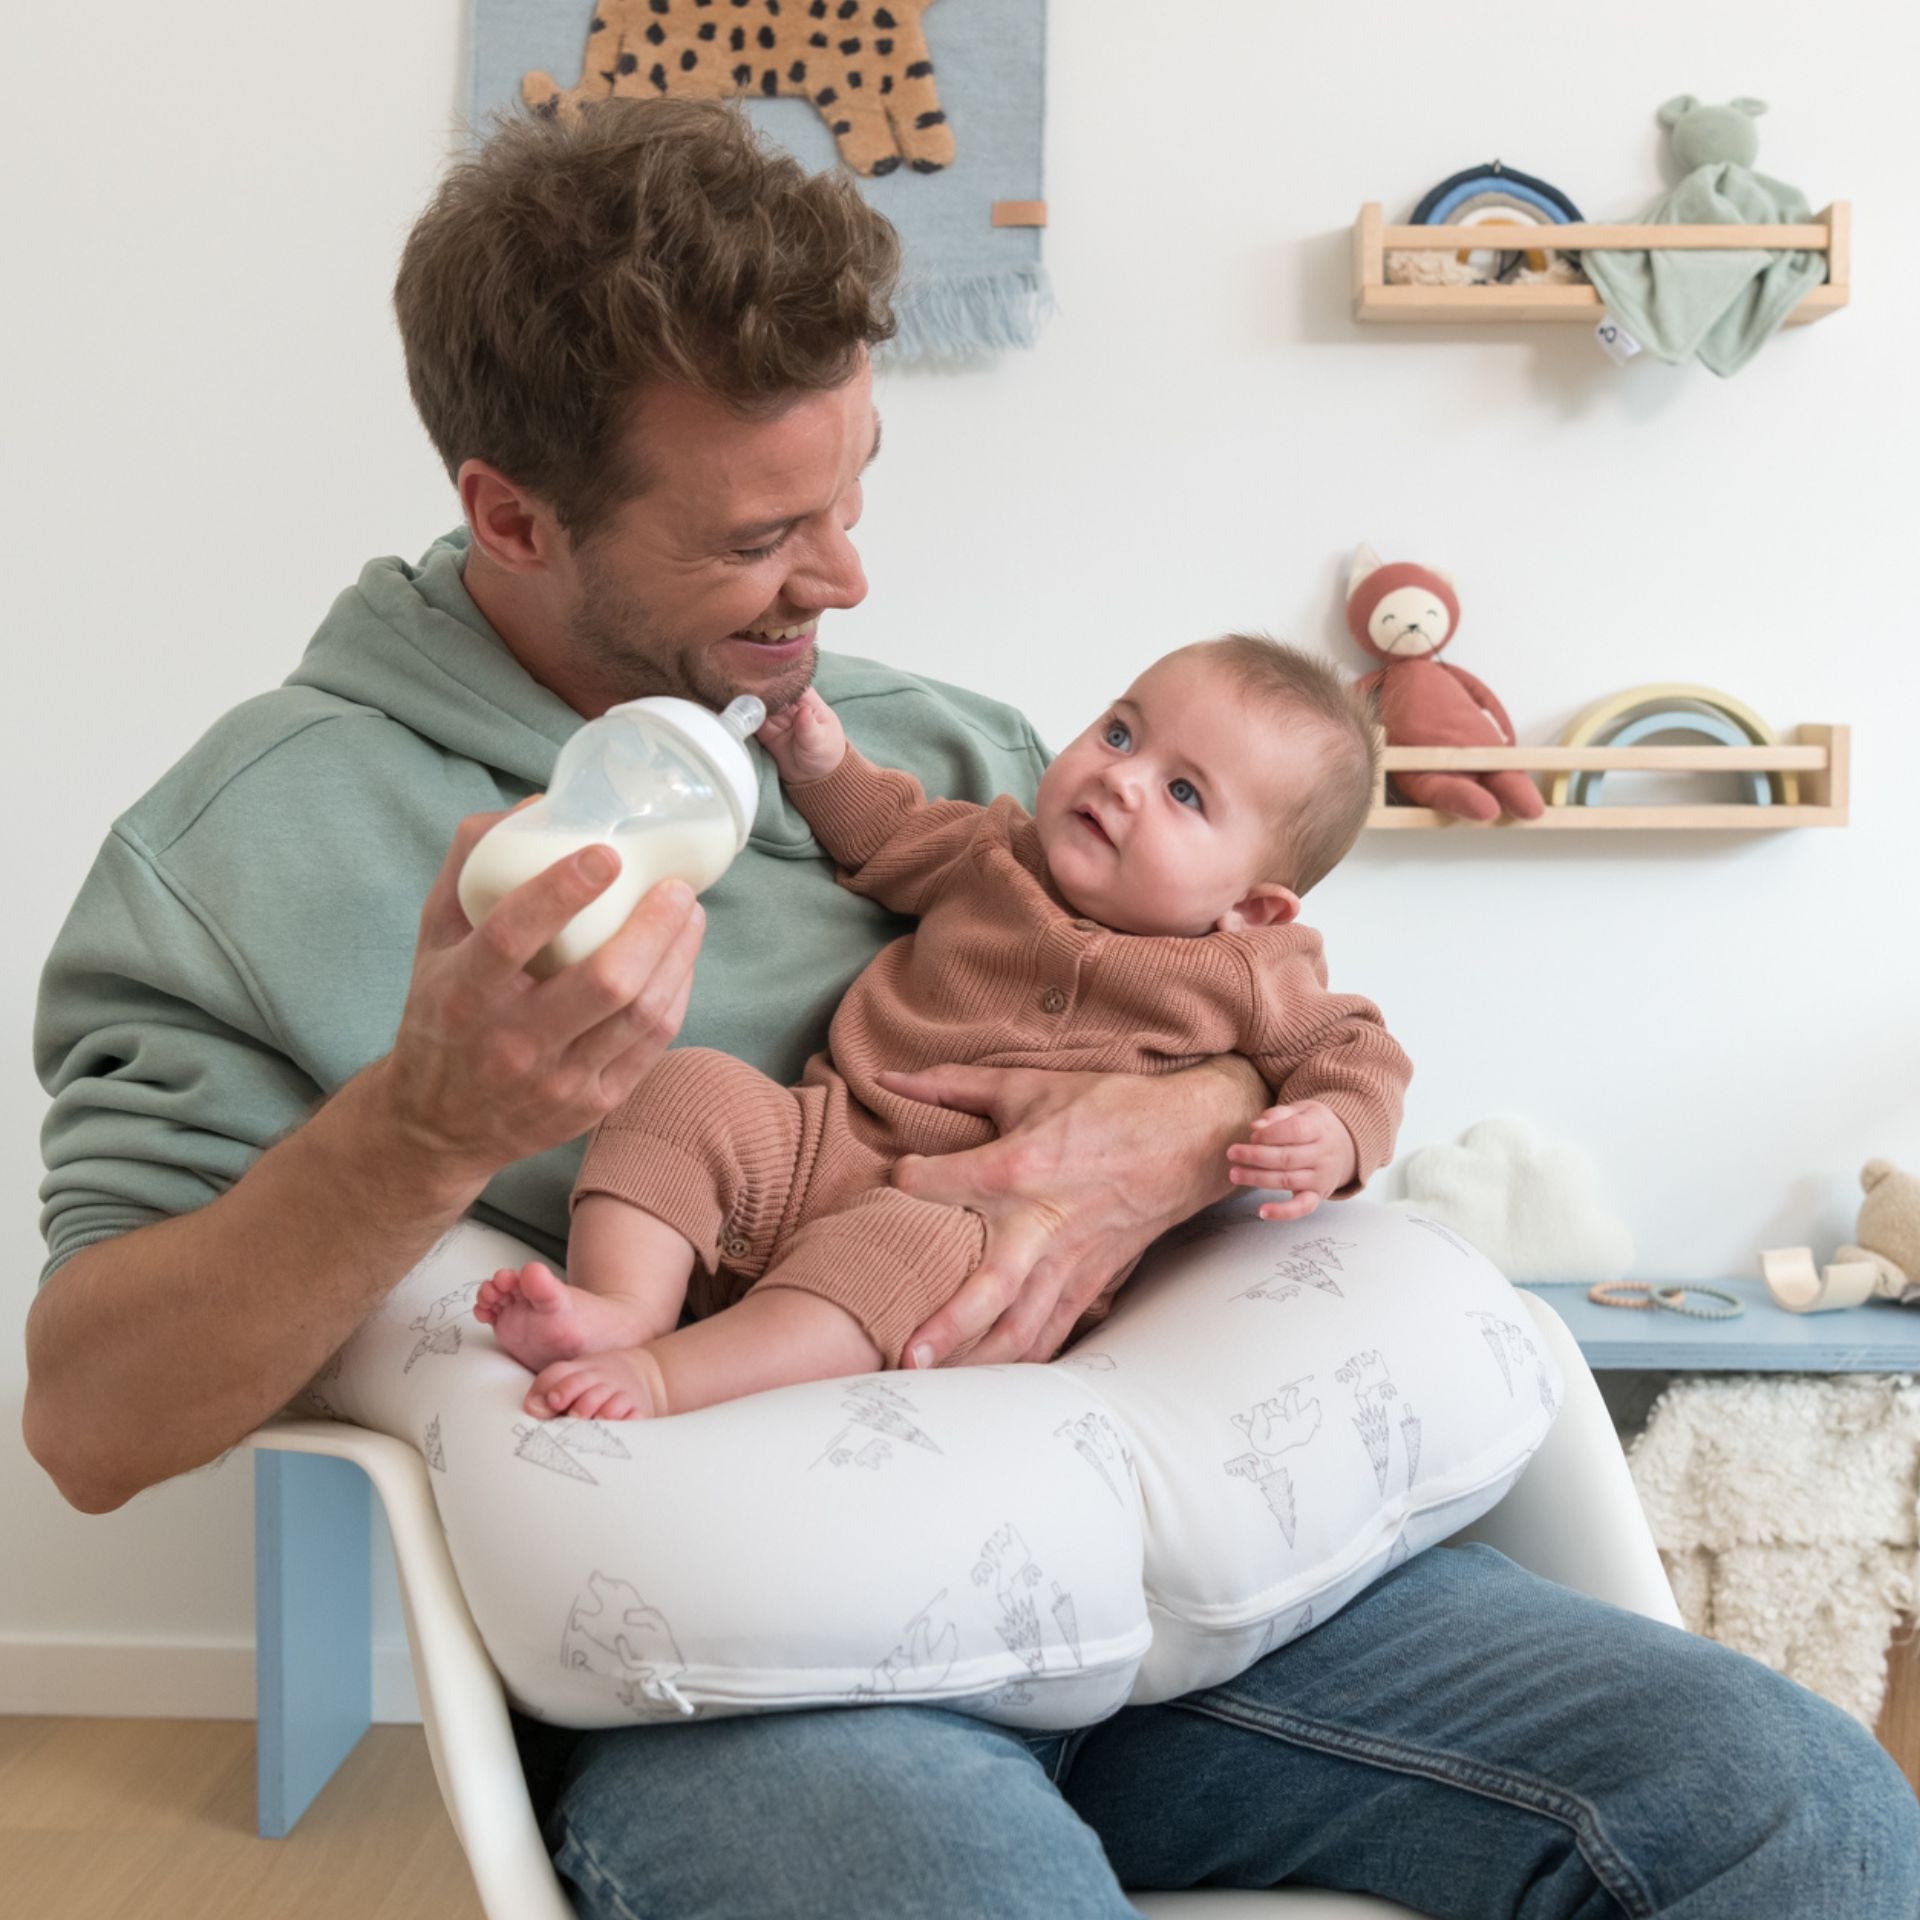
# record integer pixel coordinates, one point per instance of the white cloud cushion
(1274, 1416)
(1536, 1207)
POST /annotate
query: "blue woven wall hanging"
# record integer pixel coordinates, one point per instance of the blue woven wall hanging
(936, 107)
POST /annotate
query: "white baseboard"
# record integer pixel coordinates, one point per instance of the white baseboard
(166, 1680)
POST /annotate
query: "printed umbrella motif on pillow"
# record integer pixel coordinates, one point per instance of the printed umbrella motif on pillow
(864, 66)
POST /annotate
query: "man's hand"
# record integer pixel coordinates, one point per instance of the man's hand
(1089, 1170)
(491, 1065)
(806, 740)
(1304, 1148)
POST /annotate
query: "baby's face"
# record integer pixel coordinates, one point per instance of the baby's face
(1160, 818)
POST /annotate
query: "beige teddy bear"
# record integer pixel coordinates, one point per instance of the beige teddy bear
(1889, 1229)
(1885, 1264)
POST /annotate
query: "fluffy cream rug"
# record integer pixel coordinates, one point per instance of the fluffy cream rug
(1787, 1510)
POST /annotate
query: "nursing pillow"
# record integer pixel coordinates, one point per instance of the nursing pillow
(1273, 1416)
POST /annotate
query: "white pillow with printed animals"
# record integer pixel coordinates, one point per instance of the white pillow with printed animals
(1275, 1415)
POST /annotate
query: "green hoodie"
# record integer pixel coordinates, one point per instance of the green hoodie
(243, 943)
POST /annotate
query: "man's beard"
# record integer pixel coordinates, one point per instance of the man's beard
(616, 641)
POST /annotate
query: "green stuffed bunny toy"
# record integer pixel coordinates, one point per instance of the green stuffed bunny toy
(1721, 305)
(1709, 136)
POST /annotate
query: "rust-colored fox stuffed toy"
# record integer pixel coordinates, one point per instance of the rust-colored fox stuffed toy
(1404, 615)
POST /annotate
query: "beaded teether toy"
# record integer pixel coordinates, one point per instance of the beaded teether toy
(1673, 1299)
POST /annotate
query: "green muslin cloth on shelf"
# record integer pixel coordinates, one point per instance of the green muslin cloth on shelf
(1679, 302)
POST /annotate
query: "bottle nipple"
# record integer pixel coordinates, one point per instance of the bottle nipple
(743, 716)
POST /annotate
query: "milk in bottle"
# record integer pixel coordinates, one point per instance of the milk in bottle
(669, 786)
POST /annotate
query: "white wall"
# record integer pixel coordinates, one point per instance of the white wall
(209, 431)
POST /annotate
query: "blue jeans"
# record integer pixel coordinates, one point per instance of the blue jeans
(1465, 1738)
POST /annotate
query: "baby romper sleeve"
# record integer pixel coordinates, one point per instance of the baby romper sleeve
(1309, 1044)
(167, 1079)
(890, 842)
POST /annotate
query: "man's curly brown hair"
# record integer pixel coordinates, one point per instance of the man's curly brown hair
(569, 264)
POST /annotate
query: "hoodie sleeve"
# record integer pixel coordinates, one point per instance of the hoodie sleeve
(166, 1078)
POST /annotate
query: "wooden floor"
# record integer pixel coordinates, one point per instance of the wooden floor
(1899, 1728)
(153, 1820)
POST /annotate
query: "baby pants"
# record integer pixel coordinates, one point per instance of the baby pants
(762, 1177)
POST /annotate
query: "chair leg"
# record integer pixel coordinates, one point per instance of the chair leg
(313, 1602)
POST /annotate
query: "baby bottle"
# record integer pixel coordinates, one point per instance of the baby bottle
(665, 783)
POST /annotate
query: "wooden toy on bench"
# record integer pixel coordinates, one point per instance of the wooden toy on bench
(1885, 1264)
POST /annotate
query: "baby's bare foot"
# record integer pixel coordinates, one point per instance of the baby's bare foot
(623, 1383)
(538, 1319)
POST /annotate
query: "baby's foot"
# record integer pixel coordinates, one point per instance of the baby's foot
(624, 1383)
(538, 1319)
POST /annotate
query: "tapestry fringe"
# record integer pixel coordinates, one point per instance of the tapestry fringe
(950, 317)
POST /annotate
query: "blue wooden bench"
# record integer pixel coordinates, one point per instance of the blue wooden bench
(1876, 1338)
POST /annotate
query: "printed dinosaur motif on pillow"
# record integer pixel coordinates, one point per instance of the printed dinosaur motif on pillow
(863, 63)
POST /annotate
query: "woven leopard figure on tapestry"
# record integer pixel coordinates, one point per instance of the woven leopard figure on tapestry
(863, 63)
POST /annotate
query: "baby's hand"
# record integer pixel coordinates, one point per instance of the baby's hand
(1305, 1148)
(806, 739)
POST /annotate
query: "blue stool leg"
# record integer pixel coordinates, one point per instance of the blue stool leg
(313, 1626)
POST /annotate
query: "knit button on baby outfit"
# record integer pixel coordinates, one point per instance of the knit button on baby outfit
(736, 1246)
(1053, 1000)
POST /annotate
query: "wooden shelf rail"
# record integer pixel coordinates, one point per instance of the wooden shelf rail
(1830, 233)
(1818, 756)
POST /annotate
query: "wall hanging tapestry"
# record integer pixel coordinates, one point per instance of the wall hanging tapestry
(935, 106)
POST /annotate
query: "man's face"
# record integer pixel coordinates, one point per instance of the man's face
(712, 582)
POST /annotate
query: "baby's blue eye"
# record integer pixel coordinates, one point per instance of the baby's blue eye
(1117, 727)
(1186, 793)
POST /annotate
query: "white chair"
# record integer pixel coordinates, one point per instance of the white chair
(1573, 1517)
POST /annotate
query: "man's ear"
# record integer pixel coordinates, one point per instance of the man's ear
(515, 530)
(1268, 905)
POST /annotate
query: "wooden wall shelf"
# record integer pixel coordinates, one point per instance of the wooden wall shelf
(1373, 299)
(1818, 755)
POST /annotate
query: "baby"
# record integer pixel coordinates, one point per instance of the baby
(1141, 920)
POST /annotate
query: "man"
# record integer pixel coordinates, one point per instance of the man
(640, 346)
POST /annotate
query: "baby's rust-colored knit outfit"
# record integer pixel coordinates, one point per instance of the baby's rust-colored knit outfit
(999, 973)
